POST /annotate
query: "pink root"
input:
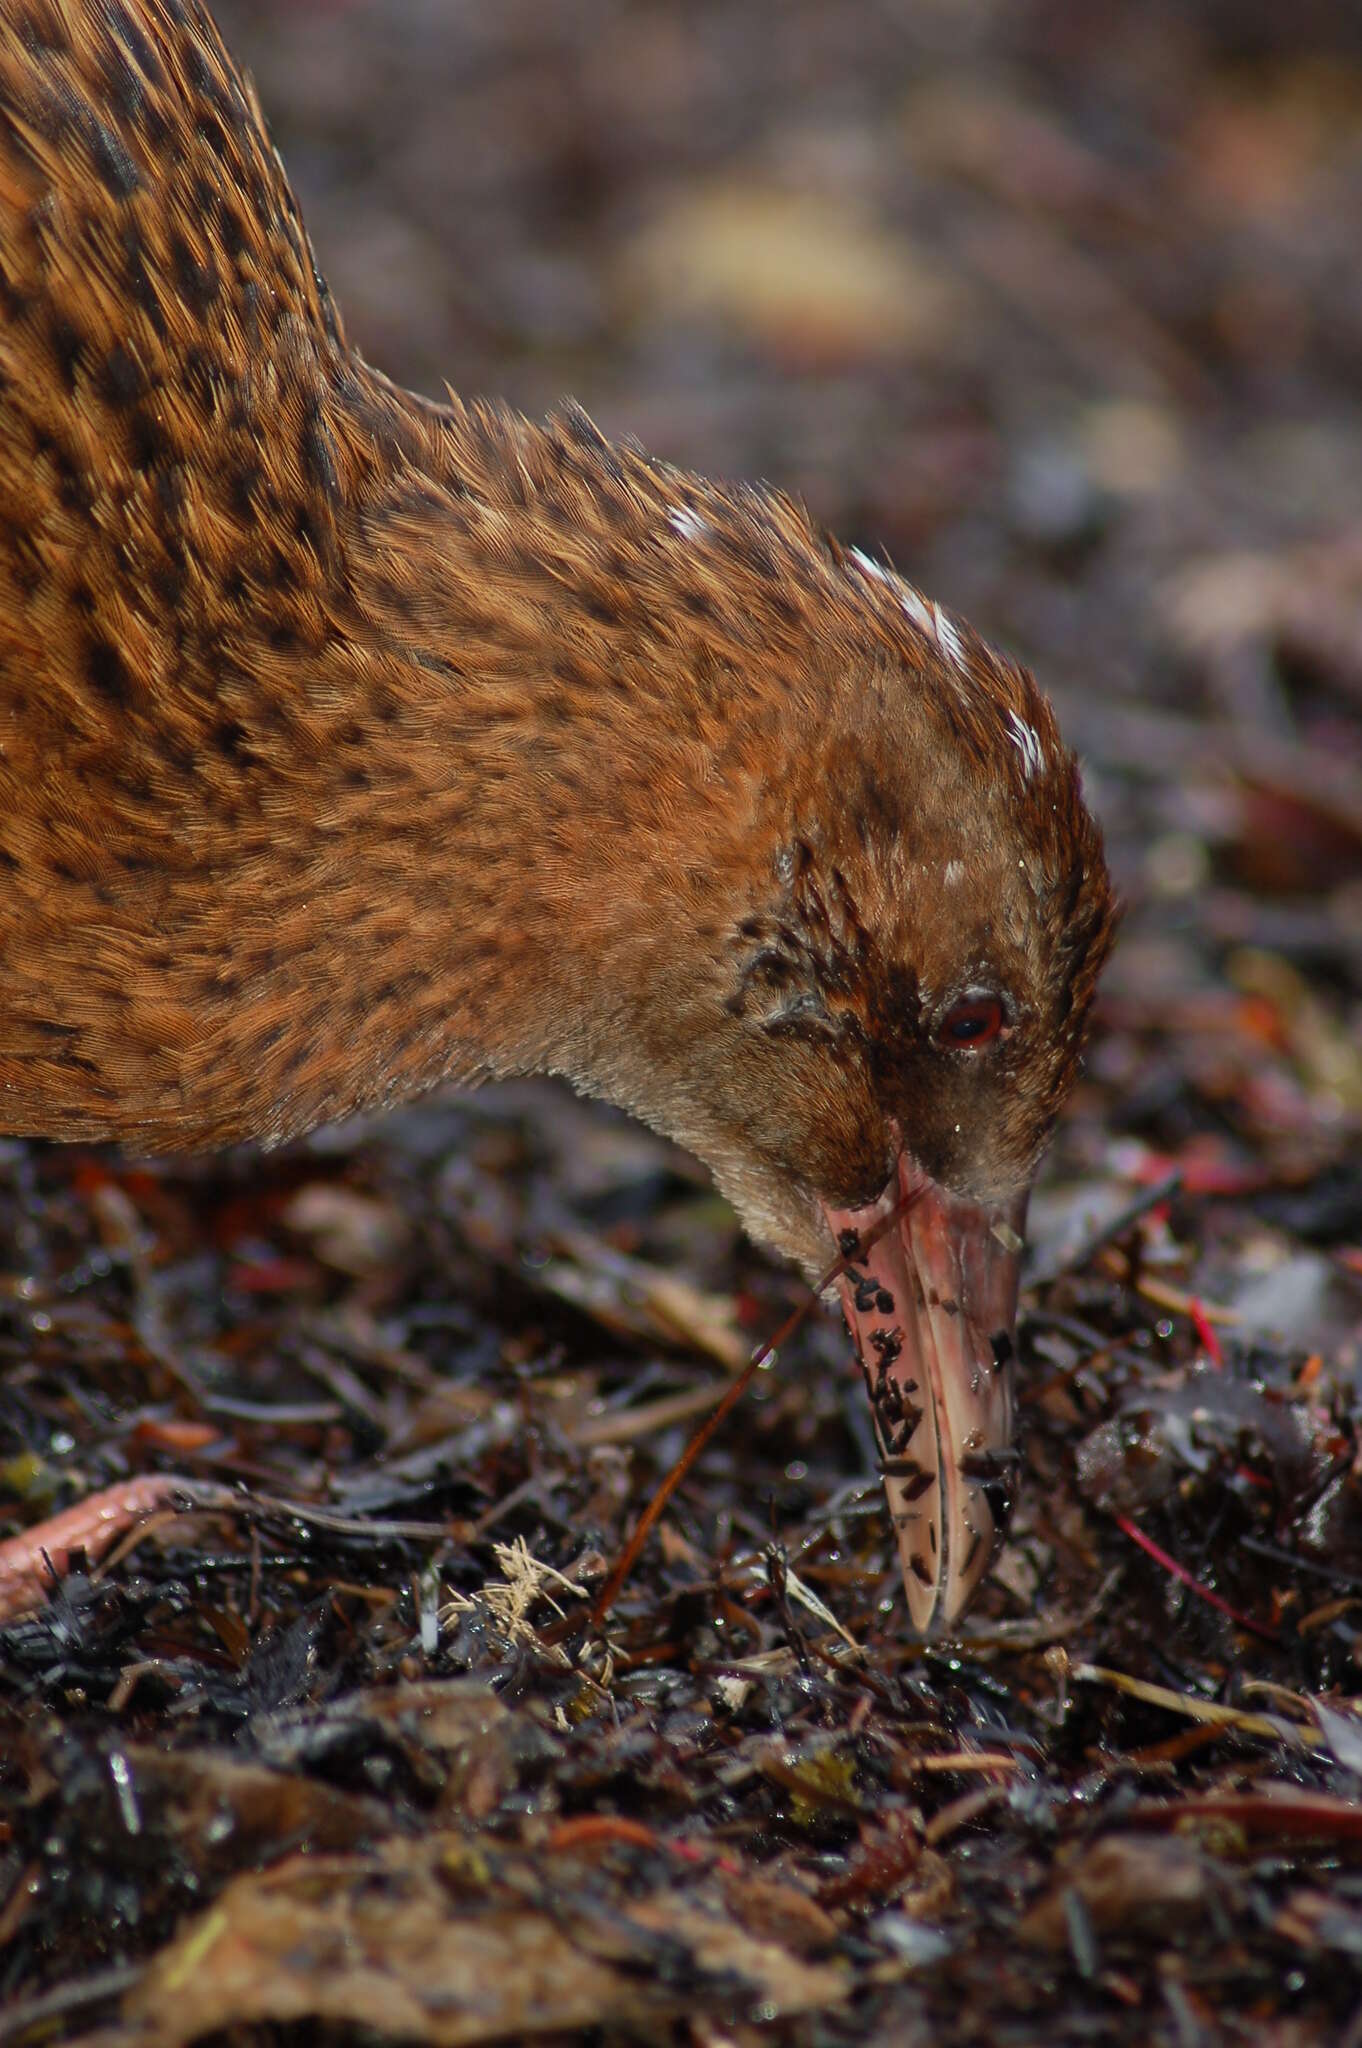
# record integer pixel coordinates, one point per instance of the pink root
(33, 1562)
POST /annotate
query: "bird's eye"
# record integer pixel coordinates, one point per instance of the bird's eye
(974, 1021)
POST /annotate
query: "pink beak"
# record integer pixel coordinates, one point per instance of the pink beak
(931, 1299)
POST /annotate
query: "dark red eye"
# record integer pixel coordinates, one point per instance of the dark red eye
(972, 1022)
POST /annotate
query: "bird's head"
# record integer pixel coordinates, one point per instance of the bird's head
(922, 966)
(876, 1018)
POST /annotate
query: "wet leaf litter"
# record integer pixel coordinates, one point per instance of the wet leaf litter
(340, 1692)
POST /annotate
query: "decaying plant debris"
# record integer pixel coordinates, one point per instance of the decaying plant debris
(319, 1741)
(341, 1743)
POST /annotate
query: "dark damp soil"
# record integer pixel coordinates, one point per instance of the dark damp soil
(1060, 307)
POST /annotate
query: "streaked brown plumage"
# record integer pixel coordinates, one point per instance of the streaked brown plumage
(350, 743)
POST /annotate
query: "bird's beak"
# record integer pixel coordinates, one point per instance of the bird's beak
(930, 1293)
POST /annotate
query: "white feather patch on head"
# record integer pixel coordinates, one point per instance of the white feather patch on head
(691, 525)
(918, 610)
(1028, 745)
(928, 618)
(868, 567)
(947, 639)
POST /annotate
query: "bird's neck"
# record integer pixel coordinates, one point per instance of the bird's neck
(530, 762)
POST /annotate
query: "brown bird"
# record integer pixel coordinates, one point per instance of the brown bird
(351, 743)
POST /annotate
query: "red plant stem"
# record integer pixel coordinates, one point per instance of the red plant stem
(1205, 1333)
(601, 1830)
(647, 1521)
(628, 1557)
(1193, 1584)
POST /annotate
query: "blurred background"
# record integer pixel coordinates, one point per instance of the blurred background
(1061, 308)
